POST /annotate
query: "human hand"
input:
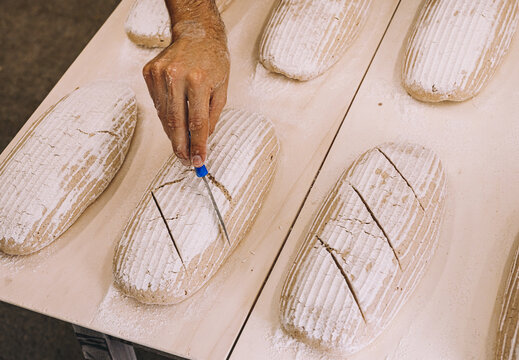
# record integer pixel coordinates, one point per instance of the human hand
(188, 83)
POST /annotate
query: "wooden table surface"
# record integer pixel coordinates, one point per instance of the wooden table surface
(452, 312)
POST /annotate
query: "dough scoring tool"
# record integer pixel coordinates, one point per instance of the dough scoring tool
(201, 172)
(167, 227)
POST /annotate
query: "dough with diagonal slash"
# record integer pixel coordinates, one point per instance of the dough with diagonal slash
(243, 153)
(366, 249)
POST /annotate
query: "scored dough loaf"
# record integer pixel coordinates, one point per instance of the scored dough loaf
(63, 163)
(508, 331)
(456, 46)
(366, 250)
(243, 153)
(148, 23)
(304, 38)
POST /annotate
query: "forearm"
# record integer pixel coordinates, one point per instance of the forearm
(198, 18)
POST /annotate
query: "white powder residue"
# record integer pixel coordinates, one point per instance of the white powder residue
(282, 344)
(268, 84)
(132, 57)
(126, 317)
(385, 92)
(121, 315)
(12, 264)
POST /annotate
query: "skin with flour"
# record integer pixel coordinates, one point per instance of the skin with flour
(148, 23)
(188, 80)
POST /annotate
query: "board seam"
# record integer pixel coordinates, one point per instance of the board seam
(312, 184)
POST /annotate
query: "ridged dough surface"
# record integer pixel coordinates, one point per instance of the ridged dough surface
(63, 163)
(508, 335)
(456, 46)
(148, 23)
(304, 38)
(243, 154)
(366, 250)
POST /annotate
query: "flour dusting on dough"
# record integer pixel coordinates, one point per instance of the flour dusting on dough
(456, 46)
(63, 163)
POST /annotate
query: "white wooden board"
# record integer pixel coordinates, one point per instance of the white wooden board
(72, 278)
(453, 313)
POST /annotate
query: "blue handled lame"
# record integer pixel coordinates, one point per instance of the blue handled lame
(201, 172)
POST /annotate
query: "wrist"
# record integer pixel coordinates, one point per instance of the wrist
(195, 18)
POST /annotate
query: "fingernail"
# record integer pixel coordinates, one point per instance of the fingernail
(197, 161)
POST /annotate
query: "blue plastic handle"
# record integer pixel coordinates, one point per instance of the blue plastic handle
(201, 171)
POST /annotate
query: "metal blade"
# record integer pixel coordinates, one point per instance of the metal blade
(217, 210)
(169, 231)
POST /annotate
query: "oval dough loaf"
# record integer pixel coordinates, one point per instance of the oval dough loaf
(148, 23)
(366, 250)
(456, 46)
(242, 156)
(508, 335)
(63, 163)
(304, 38)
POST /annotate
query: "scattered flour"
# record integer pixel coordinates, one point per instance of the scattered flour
(266, 83)
(283, 344)
(125, 317)
(388, 92)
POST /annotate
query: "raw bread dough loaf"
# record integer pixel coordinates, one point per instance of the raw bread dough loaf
(508, 335)
(304, 38)
(148, 23)
(63, 163)
(243, 153)
(456, 46)
(366, 250)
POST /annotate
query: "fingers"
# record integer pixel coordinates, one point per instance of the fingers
(198, 95)
(176, 116)
(166, 85)
(189, 97)
(156, 86)
(146, 73)
(217, 104)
